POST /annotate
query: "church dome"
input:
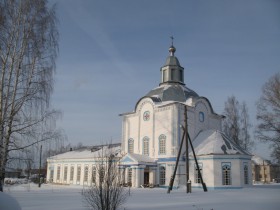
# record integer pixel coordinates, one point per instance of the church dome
(172, 92)
(172, 61)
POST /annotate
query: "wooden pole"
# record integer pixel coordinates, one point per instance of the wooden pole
(197, 166)
(188, 190)
(39, 185)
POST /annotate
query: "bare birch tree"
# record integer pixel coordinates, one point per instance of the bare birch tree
(237, 125)
(231, 124)
(28, 49)
(245, 138)
(107, 192)
(268, 115)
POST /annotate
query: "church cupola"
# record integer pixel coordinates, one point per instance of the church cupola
(172, 71)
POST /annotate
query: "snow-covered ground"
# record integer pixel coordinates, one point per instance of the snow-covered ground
(258, 197)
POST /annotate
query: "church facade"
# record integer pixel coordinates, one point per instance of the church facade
(152, 133)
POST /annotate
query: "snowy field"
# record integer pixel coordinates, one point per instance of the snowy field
(54, 197)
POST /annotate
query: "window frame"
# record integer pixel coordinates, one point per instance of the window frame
(246, 173)
(226, 174)
(201, 117)
(86, 173)
(196, 177)
(65, 173)
(72, 170)
(58, 171)
(146, 145)
(162, 175)
(129, 176)
(93, 174)
(162, 144)
(51, 175)
(130, 146)
(79, 171)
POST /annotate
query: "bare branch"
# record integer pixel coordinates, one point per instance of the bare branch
(268, 114)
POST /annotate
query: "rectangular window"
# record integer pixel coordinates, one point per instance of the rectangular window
(101, 174)
(51, 175)
(246, 174)
(65, 173)
(162, 144)
(86, 174)
(172, 74)
(78, 173)
(197, 179)
(93, 175)
(129, 178)
(123, 175)
(181, 76)
(165, 75)
(130, 146)
(71, 173)
(162, 174)
(58, 173)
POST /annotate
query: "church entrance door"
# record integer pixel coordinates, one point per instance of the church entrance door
(146, 178)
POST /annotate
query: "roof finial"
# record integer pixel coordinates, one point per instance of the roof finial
(172, 49)
(172, 38)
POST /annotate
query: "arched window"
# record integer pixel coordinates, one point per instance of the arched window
(226, 167)
(130, 146)
(201, 116)
(161, 175)
(93, 175)
(86, 174)
(246, 174)
(162, 144)
(145, 146)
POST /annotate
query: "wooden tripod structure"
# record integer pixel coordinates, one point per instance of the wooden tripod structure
(187, 138)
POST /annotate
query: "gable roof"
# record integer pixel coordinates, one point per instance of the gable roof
(137, 159)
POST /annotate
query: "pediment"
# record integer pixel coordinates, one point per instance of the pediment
(127, 159)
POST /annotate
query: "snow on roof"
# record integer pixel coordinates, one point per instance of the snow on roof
(215, 142)
(129, 159)
(172, 92)
(142, 158)
(86, 153)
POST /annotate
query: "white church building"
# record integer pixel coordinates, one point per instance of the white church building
(152, 133)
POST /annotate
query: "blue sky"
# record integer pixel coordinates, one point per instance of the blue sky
(111, 53)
